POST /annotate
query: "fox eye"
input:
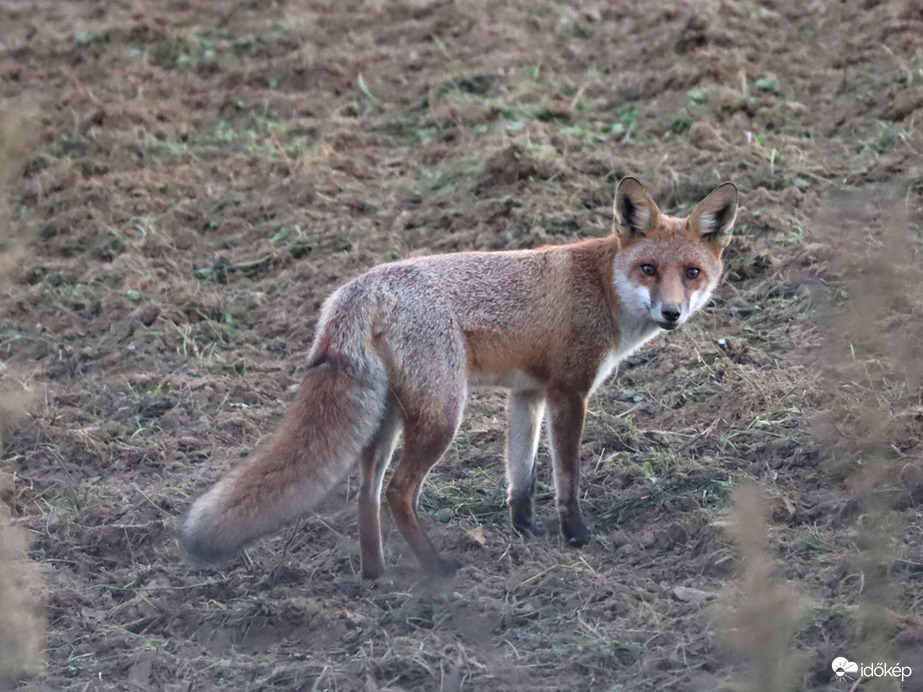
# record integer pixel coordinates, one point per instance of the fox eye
(692, 273)
(648, 270)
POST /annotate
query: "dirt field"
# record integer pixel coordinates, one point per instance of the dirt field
(191, 179)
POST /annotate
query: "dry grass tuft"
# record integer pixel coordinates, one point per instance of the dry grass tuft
(873, 362)
(761, 613)
(20, 623)
(21, 631)
(15, 136)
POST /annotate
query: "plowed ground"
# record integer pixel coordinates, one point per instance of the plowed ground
(188, 182)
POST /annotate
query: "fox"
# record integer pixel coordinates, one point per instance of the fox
(397, 349)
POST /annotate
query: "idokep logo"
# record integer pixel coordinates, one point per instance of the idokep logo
(843, 667)
(847, 670)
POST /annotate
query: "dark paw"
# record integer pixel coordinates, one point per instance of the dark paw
(521, 512)
(445, 567)
(372, 572)
(576, 532)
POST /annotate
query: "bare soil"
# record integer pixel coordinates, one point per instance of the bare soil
(200, 175)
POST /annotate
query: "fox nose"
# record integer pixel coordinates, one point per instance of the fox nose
(670, 314)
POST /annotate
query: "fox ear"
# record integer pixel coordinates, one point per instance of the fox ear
(713, 217)
(634, 210)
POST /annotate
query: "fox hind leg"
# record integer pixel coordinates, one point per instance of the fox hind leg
(428, 432)
(426, 354)
(524, 411)
(372, 466)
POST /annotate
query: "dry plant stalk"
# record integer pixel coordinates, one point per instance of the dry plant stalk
(761, 614)
(15, 136)
(21, 629)
(873, 362)
(20, 624)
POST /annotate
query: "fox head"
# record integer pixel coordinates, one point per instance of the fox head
(668, 267)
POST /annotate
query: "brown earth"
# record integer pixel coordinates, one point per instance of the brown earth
(200, 175)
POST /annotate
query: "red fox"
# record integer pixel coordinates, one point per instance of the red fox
(397, 349)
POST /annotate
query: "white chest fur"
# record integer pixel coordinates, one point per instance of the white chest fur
(632, 335)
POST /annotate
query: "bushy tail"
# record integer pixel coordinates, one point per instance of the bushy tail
(334, 415)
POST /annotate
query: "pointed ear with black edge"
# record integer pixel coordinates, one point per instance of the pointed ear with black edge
(713, 217)
(634, 209)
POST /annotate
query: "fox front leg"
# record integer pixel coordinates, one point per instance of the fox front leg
(524, 410)
(566, 413)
